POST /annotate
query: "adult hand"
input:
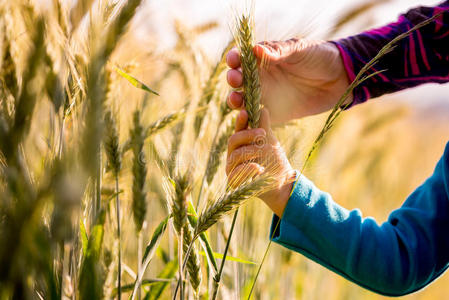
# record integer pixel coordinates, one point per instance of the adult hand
(298, 78)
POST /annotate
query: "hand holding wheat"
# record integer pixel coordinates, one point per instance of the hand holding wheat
(253, 152)
(298, 77)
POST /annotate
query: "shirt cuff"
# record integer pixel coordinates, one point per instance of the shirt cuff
(360, 92)
(293, 216)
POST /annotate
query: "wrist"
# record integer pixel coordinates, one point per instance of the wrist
(286, 191)
(344, 67)
(277, 199)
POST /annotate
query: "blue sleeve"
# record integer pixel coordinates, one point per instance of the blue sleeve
(398, 257)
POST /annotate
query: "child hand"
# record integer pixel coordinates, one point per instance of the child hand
(256, 151)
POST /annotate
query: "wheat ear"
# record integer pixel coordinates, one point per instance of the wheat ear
(232, 200)
(111, 144)
(158, 125)
(139, 171)
(251, 83)
(226, 203)
(184, 230)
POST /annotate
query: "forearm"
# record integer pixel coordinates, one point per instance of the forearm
(422, 57)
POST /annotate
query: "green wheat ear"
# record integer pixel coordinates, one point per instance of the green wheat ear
(251, 83)
(184, 230)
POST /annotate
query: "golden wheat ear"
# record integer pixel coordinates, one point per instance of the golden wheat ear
(244, 36)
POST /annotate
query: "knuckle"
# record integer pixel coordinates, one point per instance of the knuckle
(231, 141)
(260, 141)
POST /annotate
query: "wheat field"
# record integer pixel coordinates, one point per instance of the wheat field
(112, 159)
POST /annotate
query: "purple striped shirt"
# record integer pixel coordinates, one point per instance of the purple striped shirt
(422, 57)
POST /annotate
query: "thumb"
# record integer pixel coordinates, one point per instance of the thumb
(288, 51)
(266, 54)
(265, 123)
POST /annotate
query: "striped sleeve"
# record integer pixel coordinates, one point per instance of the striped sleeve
(422, 57)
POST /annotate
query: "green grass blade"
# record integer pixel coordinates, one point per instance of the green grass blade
(90, 283)
(134, 81)
(96, 237)
(155, 240)
(149, 253)
(83, 237)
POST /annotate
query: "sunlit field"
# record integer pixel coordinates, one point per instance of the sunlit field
(113, 139)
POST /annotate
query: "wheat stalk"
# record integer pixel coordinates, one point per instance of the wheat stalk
(139, 171)
(96, 79)
(96, 82)
(217, 277)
